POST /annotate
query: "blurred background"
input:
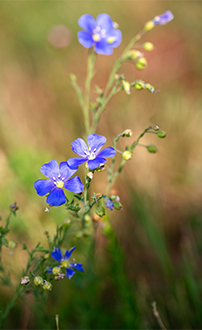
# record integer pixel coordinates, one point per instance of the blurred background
(155, 254)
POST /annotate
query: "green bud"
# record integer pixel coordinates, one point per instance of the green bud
(127, 133)
(47, 255)
(156, 128)
(113, 197)
(38, 280)
(152, 148)
(161, 134)
(141, 63)
(72, 77)
(139, 84)
(25, 280)
(126, 86)
(127, 155)
(117, 205)
(78, 234)
(133, 54)
(12, 245)
(150, 88)
(149, 25)
(47, 285)
(56, 270)
(148, 46)
(100, 211)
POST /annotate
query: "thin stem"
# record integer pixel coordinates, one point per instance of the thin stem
(156, 314)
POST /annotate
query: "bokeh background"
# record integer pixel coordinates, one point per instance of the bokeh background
(155, 254)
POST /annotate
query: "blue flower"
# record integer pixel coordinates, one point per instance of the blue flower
(58, 179)
(64, 262)
(91, 154)
(109, 204)
(163, 18)
(102, 33)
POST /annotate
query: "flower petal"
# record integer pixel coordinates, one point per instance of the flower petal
(79, 147)
(163, 18)
(68, 253)
(74, 163)
(43, 186)
(95, 163)
(96, 142)
(65, 171)
(104, 21)
(87, 22)
(69, 273)
(57, 254)
(107, 152)
(103, 48)
(77, 266)
(109, 204)
(49, 269)
(117, 36)
(74, 185)
(56, 197)
(50, 169)
(85, 39)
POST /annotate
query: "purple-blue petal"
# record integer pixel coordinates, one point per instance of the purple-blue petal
(103, 48)
(43, 186)
(95, 163)
(51, 169)
(57, 254)
(164, 18)
(96, 142)
(109, 204)
(79, 147)
(74, 162)
(77, 266)
(68, 253)
(104, 21)
(65, 171)
(74, 185)
(107, 152)
(69, 273)
(118, 38)
(87, 22)
(85, 39)
(56, 197)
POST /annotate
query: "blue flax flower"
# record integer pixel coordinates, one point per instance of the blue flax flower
(109, 204)
(91, 154)
(102, 33)
(163, 18)
(64, 262)
(58, 179)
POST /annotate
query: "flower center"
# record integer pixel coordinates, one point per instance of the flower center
(65, 263)
(98, 34)
(96, 37)
(92, 156)
(59, 184)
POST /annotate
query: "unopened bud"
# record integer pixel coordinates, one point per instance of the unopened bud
(90, 175)
(126, 86)
(127, 133)
(127, 155)
(47, 286)
(152, 148)
(141, 63)
(150, 88)
(12, 245)
(56, 270)
(148, 46)
(38, 280)
(118, 205)
(161, 134)
(78, 234)
(113, 197)
(100, 211)
(149, 25)
(133, 54)
(25, 280)
(72, 77)
(47, 255)
(139, 84)
(156, 128)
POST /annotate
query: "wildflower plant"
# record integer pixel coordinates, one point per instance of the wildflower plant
(99, 36)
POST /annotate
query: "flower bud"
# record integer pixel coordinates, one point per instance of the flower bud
(87, 218)
(126, 86)
(127, 133)
(56, 270)
(113, 197)
(47, 255)
(90, 175)
(72, 77)
(152, 148)
(38, 280)
(127, 155)
(47, 285)
(156, 128)
(139, 84)
(148, 46)
(133, 54)
(141, 63)
(161, 134)
(78, 234)
(25, 280)
(149, 25)
(117, 205)
(12, 245)
(150, 88)
(100, 211)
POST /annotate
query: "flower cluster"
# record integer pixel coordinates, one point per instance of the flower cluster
(102, 33)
